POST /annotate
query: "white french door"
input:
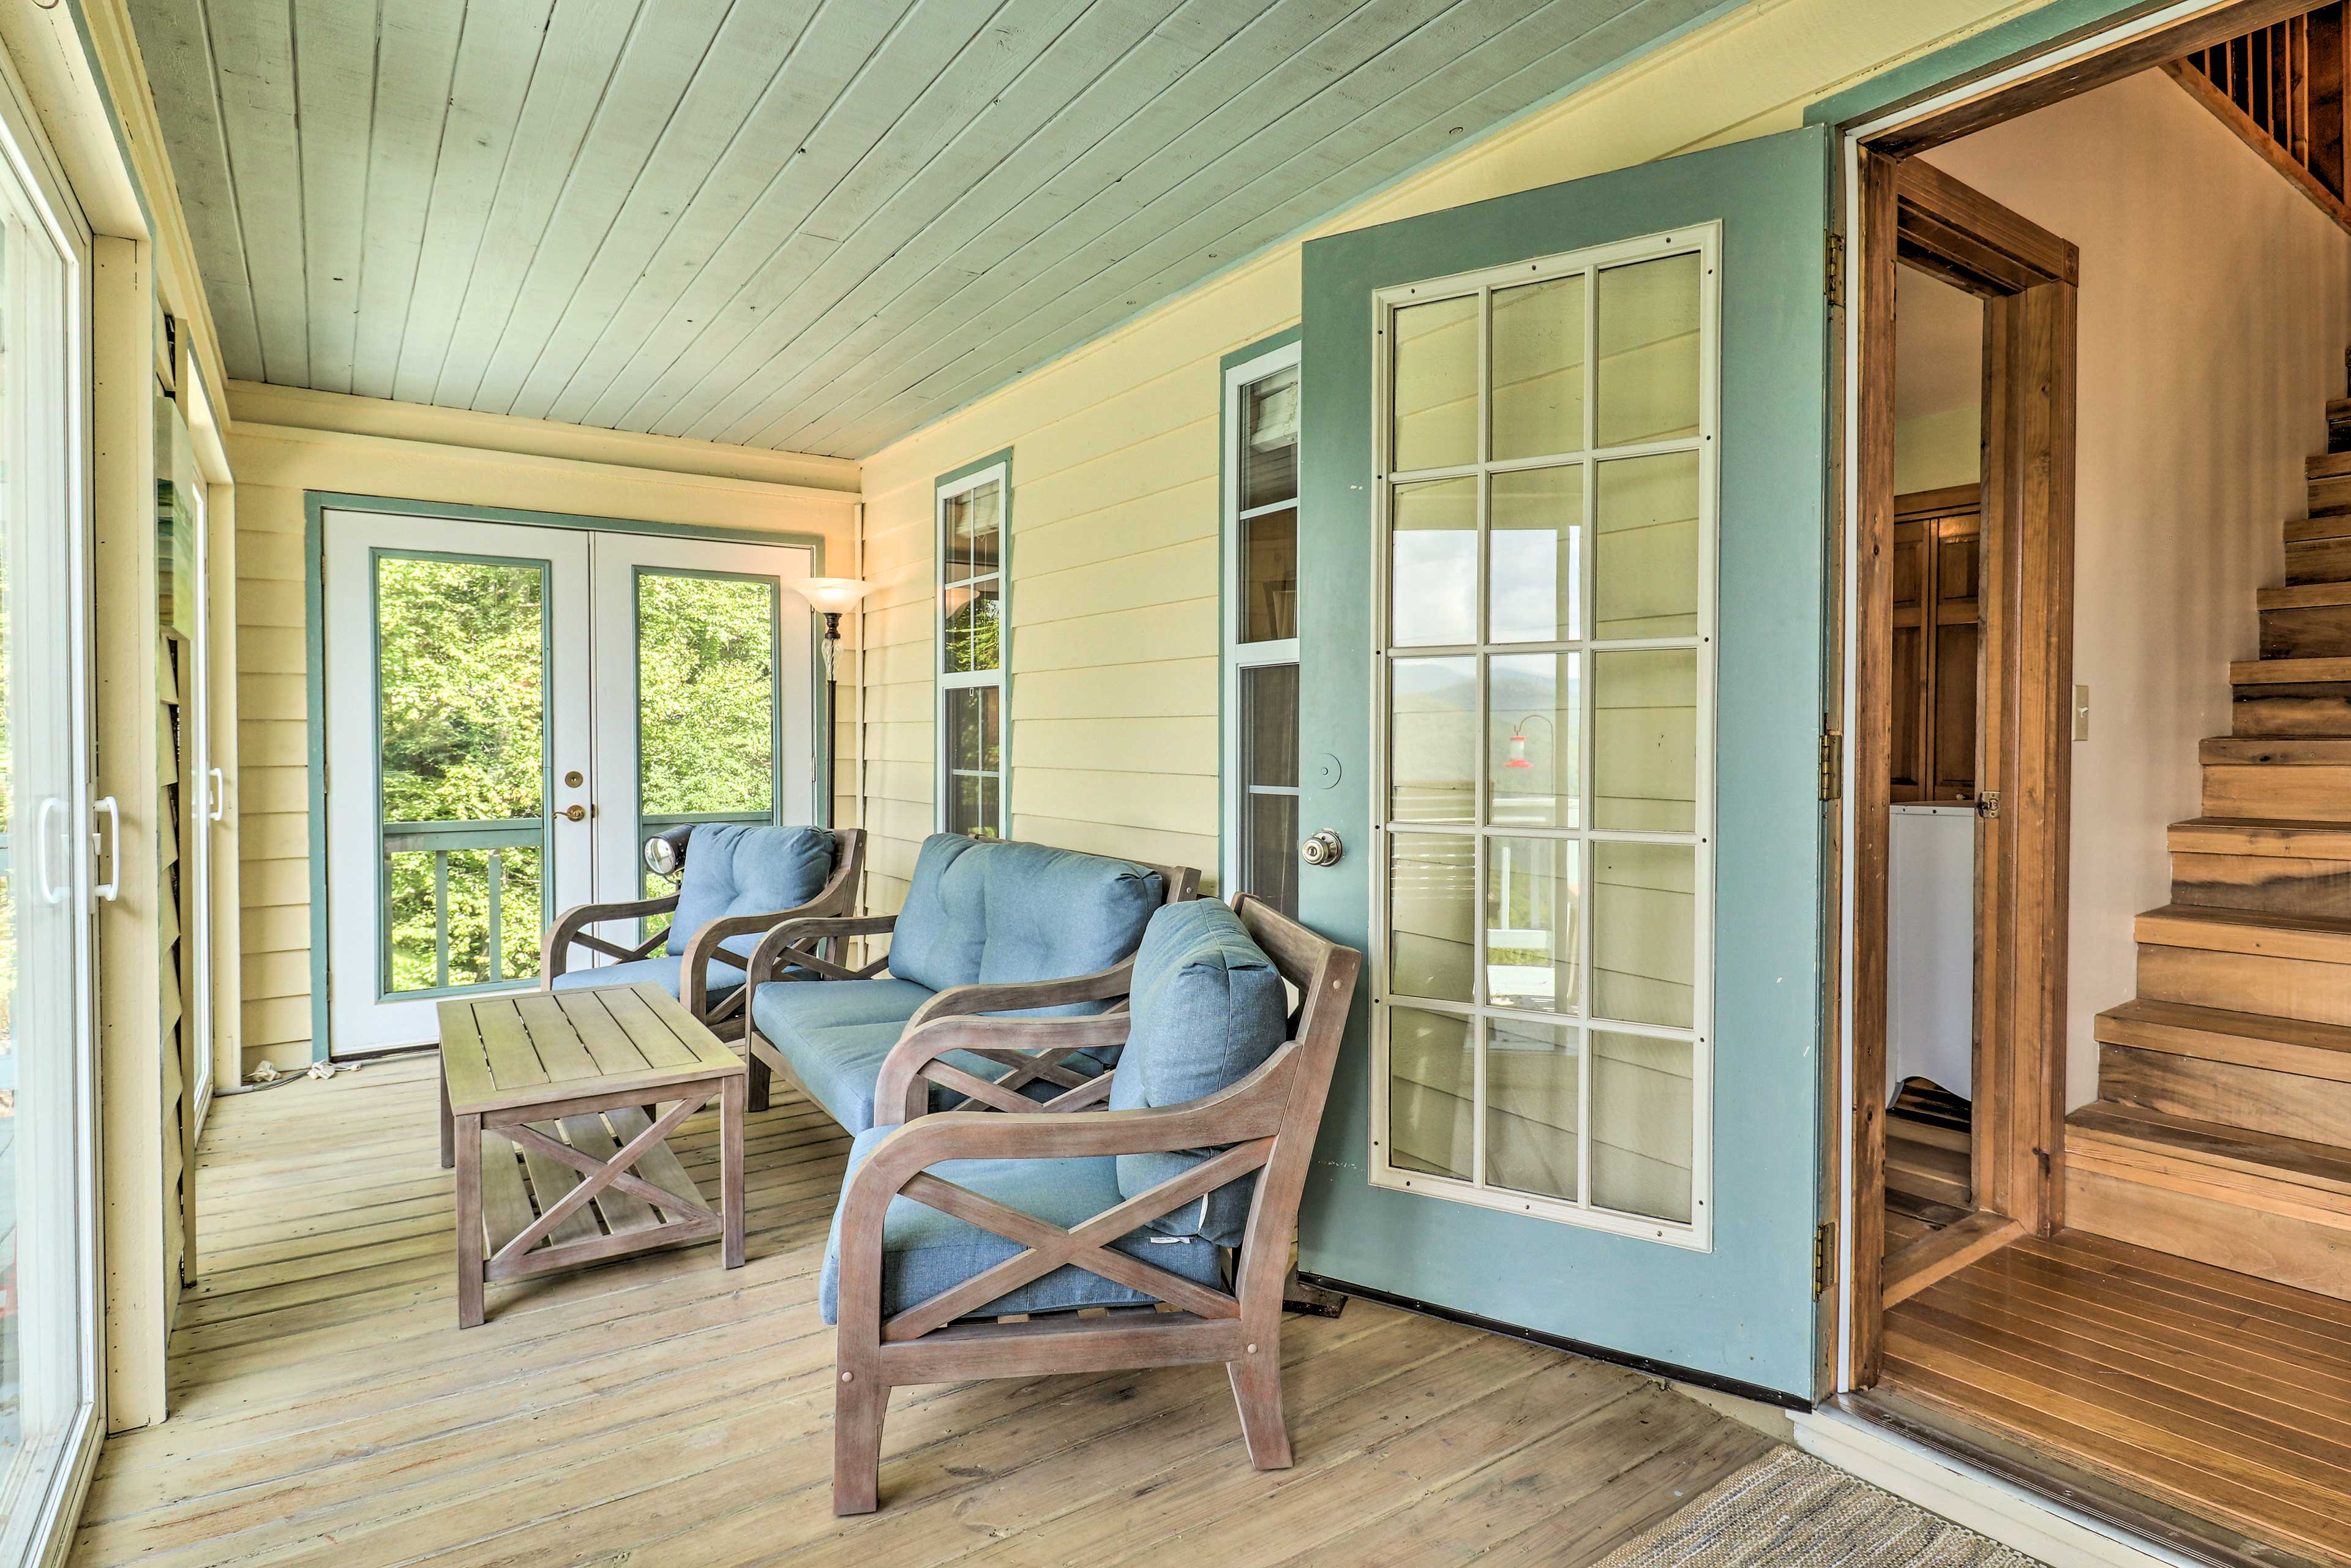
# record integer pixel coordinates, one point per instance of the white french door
(511, 711)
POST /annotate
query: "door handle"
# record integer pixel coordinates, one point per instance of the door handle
(1322, 849)
(574, 813)
(219, 789)
(111, 889)
(50, 892)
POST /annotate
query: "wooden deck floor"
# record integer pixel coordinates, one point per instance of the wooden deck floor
(2225, 1396)
(663, 1411)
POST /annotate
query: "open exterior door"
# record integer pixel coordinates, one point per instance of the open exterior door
(1563, 565)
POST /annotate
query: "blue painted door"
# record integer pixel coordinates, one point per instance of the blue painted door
(1561, 623)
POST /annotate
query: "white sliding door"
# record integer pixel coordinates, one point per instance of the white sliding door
(48, 1267)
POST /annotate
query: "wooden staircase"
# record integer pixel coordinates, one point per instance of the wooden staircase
(2223, 1130)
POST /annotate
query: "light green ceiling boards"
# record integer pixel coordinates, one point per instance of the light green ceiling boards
(811, 224)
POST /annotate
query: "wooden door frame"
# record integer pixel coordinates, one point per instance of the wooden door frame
(1913, 214)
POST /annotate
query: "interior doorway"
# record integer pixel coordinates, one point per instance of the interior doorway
(2101, 1253)
(510, 711)
(1963, 770)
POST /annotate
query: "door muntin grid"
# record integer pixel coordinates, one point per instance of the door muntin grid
(1542, 965)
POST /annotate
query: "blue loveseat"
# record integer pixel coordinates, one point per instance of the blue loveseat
(738, 882)
(989, 927)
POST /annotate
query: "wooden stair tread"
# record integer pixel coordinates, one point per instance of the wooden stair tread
(2289, 751)
(2324, 1168)
(2282, 838)
(2180, 1029)
(2313, 530)
(2326, 465)
(2288, 671)
(2318, 937)
(2304, 595)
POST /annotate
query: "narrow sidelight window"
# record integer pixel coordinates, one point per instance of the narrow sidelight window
(973, 518)
(1260, 594)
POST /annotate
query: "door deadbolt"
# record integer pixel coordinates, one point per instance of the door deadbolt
(1322, 849)
(575, 813)
(573, 780)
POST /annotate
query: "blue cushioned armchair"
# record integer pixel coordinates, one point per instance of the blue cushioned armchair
(988, 927)
(739, 881)
(949, 1223)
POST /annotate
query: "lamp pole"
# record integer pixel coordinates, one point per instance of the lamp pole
(831, 708)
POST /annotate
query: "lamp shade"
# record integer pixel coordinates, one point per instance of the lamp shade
(832, 595)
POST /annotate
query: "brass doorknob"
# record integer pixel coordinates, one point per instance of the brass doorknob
(575, 813)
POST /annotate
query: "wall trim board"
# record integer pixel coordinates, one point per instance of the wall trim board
(258, 467)
(316, 503)
(258, 405)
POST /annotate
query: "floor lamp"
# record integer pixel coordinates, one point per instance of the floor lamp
(830, 597)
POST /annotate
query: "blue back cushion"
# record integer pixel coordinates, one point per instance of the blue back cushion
(1209, 1008)
(1053, 912)
(984, 912)
(732, 869)
(943, 926)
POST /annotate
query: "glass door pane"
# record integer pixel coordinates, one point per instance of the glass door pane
(461, 703)
(45, 1322)
(1545, 883)
(708, 733)
(706, 711)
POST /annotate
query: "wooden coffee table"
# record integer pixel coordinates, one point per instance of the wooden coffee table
(555, 1109)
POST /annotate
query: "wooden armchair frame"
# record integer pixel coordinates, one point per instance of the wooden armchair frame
(727, 1019)
(1267, 1124)
(816, 949)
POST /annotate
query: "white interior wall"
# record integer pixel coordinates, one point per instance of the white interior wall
(1938, 383)
(2215, 309)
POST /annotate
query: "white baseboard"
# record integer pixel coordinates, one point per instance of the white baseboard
(1986, 1504)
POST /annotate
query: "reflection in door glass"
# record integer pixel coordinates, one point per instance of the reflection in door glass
(707, 709)
(461, 703)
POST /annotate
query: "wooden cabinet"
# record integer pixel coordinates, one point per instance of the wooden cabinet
(1937, 644)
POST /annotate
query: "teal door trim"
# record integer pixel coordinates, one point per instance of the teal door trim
(314, 505)
(1743, 1312)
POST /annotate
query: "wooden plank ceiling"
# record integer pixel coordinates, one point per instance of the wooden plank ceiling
(810, 225)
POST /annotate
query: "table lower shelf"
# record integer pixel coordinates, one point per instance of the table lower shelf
(519, 1184)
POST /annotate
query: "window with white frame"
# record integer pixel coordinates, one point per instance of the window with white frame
(1547, 510)
(1261, 627)
(972, 519)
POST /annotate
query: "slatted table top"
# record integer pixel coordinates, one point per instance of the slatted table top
(503, 1052)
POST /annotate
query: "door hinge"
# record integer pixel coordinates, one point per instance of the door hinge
(1824, 1258)
(1835, 283)
(1832, 766)
(1988, 803)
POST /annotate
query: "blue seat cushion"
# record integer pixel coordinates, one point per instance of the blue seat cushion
(835, 1034)
(734, 869)
(1209, 1007)
(981, 912)
(925, 1251)
(668, 973)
